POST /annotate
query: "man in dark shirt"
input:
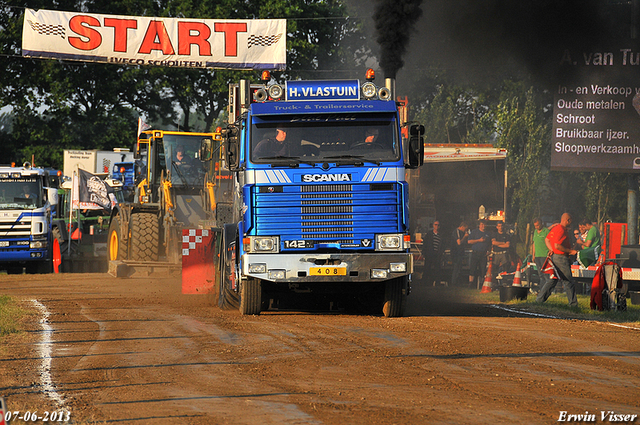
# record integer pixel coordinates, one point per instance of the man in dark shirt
(458, 244)
(432, 249)
(501, 243)
(273, 146)
(480, 242)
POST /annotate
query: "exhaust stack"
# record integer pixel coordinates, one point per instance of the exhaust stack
(390, 84)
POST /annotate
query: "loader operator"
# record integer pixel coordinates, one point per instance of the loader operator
(182, 158)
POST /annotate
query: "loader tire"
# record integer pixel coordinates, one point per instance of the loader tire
(395, 297)
(251, 296)
(117, 249)
(145, 237)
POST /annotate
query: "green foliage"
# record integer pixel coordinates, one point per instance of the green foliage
(456, 115)
(525, 133)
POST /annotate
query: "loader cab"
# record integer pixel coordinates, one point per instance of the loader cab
(171, 158)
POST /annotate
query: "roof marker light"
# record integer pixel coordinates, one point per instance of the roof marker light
(370, 75)
(265, 77)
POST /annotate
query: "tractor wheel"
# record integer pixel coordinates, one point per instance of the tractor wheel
(145, 237)
(395, 297)
(117, 249)
(251, 296)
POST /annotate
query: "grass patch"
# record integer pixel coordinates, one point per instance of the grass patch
(557, 305)
(11, 314)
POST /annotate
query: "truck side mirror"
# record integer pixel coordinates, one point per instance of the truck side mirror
(52, 195)
(415, 149)
(231, 147)
(206, 150)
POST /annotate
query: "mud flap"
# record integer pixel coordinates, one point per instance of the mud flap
(200, 260)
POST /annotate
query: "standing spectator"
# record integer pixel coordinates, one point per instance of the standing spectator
(593, 234)
(432, 249)
(501, 242)
(588, 254)
(559, 243)
(539, 249)
(458, 244)
(480, 242)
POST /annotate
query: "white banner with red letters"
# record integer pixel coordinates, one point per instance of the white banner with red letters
(141, 40)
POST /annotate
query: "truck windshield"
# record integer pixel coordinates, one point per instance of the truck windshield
(325, 138)
(21, 193)
(184, 167)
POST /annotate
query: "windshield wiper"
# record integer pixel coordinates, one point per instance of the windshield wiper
(359, 160)
(179, 172)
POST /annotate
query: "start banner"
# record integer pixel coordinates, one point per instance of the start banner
(174, 42)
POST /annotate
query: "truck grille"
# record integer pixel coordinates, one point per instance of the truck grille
(13, 230)
(328, 213)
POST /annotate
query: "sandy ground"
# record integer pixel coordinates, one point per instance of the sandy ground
(137, 351)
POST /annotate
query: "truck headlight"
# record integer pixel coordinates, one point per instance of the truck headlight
(38, 244)
(379, 273)
(389, 242)
(398, 267)
(369, 90)
(257, 268)
(277, 274)
(275, 92)
(264, 244)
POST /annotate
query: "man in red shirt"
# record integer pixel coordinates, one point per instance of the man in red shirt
(559, 243)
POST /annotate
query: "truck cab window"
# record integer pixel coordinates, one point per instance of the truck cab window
(323, 139)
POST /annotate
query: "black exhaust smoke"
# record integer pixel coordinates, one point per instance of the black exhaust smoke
(394, 22)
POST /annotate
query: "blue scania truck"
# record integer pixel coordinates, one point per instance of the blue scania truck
(321, 199)
(28, 198)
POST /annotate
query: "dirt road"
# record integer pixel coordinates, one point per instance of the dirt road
(136, 351)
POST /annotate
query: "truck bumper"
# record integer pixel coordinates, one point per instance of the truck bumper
(22, 255)
(313, 267)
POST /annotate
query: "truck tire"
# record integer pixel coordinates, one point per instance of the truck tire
(227, 296)
(395, 297)
(39, 267)
(145, 237)
(117, 249)
(14, 269)
(251, 296)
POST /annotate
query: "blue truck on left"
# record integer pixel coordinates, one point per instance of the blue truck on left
(28, 197)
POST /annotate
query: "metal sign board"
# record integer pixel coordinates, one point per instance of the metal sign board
(596, 113)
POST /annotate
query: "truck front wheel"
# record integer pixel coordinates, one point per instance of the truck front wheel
(251, 296)
(395, 297)
(228, 297)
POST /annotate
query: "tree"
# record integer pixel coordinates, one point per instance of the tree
(524, 131)
(60, 105)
